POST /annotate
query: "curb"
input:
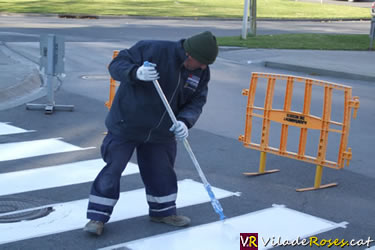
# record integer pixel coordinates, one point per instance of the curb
(318, 71)
(87, 16)
(26, 91)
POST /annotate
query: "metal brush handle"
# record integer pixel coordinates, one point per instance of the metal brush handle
(214, 202)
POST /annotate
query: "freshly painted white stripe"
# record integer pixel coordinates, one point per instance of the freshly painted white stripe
(72, 215)
(18, 150)
(55, 176)
(277, 221)
(6, 129)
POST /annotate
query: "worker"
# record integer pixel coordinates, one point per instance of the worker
(138, 120)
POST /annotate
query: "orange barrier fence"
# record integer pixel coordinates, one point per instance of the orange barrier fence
(303, 120)
(112, 86)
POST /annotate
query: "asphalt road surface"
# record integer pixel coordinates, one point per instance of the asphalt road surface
(55, 171)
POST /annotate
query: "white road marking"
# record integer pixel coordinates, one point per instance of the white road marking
(276, 221)
(55, 176)
(72, 215)
(18, 150)
(17, 34)
(6, 129)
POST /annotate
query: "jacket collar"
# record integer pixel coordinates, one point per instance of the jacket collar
(181, 54)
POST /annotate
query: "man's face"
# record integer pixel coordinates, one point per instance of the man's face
(192, 64)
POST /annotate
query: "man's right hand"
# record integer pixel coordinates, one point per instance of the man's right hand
(147, 72)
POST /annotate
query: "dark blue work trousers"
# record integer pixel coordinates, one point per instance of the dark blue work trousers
(155, 161)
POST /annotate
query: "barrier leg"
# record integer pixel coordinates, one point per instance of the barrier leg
(262, 167)
(112, 85)
(318, 181)
(262, 162)
(112, 92)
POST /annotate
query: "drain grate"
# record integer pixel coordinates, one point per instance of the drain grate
(10, 206)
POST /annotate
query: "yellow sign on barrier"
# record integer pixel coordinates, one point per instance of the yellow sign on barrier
(303, 120)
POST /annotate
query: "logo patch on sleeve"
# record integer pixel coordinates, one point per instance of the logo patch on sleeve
(192, 82)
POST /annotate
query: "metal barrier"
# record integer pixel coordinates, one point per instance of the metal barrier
(52, 58)
(302, 120)
(112, 85)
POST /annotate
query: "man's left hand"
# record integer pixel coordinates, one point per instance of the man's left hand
(181, 131)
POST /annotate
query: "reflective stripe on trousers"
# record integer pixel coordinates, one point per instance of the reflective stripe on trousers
(155, 161)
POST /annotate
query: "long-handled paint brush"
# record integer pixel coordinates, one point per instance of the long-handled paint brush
(214, 202)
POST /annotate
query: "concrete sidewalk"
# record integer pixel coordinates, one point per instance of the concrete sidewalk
(356, 65)
(20, 81)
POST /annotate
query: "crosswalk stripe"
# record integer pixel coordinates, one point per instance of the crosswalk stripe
(72, 215)
(55, 176)
(6, 129)
(270, 224)
(18, 150)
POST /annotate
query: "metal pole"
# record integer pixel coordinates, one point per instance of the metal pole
(50, 69)
(372, 32)
(253, 17)
(245, 19)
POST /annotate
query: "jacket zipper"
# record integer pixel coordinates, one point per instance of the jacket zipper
(162, 117)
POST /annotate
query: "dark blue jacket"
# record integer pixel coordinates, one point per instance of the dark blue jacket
(137, 113)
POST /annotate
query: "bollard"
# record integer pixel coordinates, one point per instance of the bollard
(372, 32)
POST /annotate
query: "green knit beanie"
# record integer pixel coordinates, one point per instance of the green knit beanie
(202, 47)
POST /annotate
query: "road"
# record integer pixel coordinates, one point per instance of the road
(58, 175)
(355, 3)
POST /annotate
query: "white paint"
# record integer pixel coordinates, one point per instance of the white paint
(18, 150)
(6, 129)
(277, 221)
(17, 34)
(55, 176)
(72, 215)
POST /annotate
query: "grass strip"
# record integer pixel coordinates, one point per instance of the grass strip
(287, 9)
(300, 41)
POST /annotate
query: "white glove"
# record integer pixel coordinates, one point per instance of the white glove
(180, 131)
(147, 72)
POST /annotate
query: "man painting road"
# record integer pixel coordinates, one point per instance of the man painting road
(138, 120)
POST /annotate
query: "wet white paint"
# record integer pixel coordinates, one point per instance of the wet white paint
(277, 221)
(55, 176)
(18, 150)
(72, 215)
(6, 129)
